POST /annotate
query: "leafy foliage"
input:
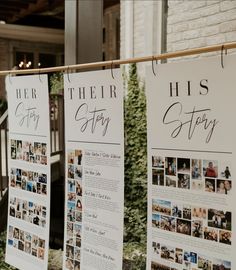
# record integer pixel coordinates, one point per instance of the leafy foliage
(56, 83)
(135, 163)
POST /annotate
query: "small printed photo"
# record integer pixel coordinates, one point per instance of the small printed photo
(78, 241)
(223, 186)
(204, 263)
(78, 172)
(156, 221)
(79, 204)
(35, 241)
(42, 178)
(171, 181)
(71, 185)
(210, 185)
(199, 213)
(70, 156)
(196, 169)
(41, 253)
(78, 184)
(183, 226)
(211, 234)
(183, 165)
(69, 229)
(190, 257)
(12, 211)
(34, 252)
(183, 181)
(197, 228)
(19, 150)
(10, 242)
(170, 166)
(69, 264)
(78, 157)
(70, 252)
(31, 149)
(187, 213)
(168, 223)
(28, 247)
(76, 265)
(77, 230)
(13, 143)
(168, 253)
(179, 255)
(44, 189)
(44, 149)
(26, 156)
(21, 246)
(224, 170)
(13, 180)
(10, 232)
(22, 235)
(25, 146)
(16, 233)
(44, 160)
(219, 264)
(197, 185)
(39, 188)
(158, 161)
(219, 219)
(15, 243)
(71, 196)
(38, 148)
(13, 153)
(161, 206)
(71, 206)
(77, 253)
(177, 210)
(70, 241)
(78, 216)
(156, 248)
(158, 177)
(225, 237)
(71, 171)
(210, 168)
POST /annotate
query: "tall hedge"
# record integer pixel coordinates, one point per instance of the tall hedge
(135, 160)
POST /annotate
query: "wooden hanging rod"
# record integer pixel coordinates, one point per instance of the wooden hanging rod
(112, 63)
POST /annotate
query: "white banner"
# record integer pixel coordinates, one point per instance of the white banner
(94, 171)
(191, 149)
(29, 172)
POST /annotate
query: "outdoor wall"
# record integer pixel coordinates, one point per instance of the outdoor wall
(192, 24)
(189, 24)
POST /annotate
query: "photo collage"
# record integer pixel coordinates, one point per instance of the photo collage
(74, 209)
(28, 211)
(28, 180)
(181, 259)
(192, 174)
(26, 242)
(194, 221)
(32, 152)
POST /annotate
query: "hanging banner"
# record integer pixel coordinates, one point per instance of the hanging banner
(191, 149)
(94, 171)
(29, 172)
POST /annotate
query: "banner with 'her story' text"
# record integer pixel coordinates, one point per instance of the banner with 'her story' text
(29, 172)
(94, 171)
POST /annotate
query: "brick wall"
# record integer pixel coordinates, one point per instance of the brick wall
(192, 24)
